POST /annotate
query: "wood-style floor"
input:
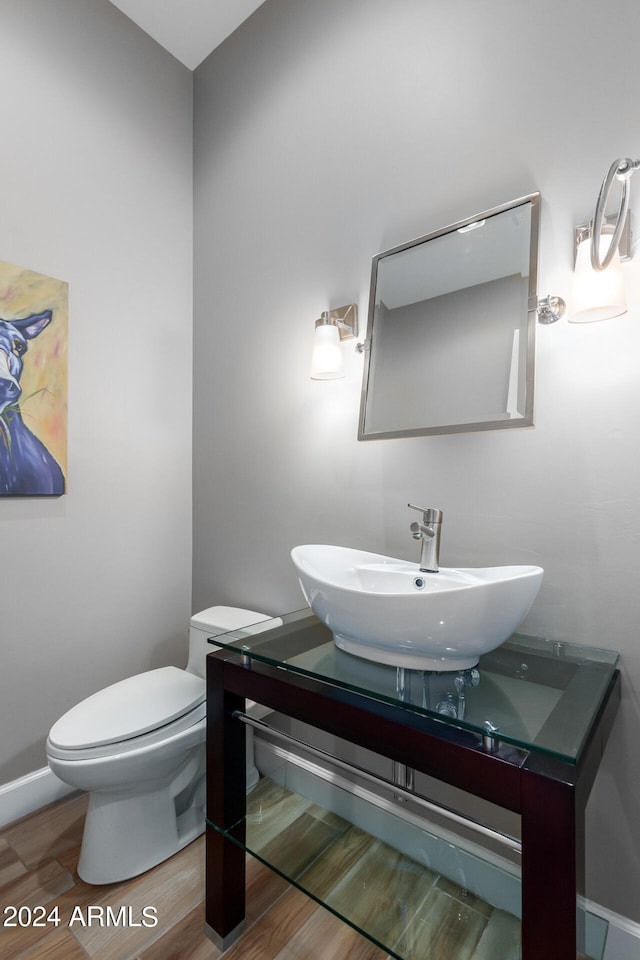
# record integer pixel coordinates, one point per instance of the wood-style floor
(38, 858)
(402, 903)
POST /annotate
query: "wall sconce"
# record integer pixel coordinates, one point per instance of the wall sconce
(599, 246)
(334, 326)
(598, 294)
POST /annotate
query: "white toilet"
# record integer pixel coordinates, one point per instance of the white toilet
(138, 748)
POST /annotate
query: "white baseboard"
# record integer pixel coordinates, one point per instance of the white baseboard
(29, 793)
(623, 937)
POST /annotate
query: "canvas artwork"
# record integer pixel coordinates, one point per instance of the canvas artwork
(33, 383)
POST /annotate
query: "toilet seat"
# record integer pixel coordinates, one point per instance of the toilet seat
(130, 714)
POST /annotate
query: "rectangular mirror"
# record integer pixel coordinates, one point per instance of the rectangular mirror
(451, 329)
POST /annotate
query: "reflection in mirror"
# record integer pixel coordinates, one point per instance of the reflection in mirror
(451, 332)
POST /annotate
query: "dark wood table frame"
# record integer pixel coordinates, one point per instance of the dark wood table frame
(549, 794)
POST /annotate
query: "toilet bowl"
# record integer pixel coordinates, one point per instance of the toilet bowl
(138, 748)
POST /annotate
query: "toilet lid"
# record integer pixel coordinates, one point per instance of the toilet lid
(129, 708)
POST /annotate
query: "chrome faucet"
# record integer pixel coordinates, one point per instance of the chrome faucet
(428, 532)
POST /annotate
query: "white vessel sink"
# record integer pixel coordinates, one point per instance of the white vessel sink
(386, 610)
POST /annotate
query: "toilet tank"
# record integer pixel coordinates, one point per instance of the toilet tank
(212, 621)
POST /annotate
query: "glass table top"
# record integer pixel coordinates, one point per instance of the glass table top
(536, 694)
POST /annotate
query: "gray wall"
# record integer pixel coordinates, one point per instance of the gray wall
(96, 180)
(325, 133)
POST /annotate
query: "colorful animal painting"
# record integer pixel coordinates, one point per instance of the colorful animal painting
(32, 383)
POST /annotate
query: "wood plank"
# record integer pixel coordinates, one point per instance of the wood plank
(381, 892)
(53, 829)
(38, 886)
(11, 866)
(465, 897)
(41, 886)
(338, 860)
(185, 940)
(267, 938)
(270, 809)
(60, 945)
(304, 840)
(323, 935)
(173, 889)
(442, 928)
(264, 887)
(501, 938)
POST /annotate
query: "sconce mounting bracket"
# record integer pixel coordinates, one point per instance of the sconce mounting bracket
(550, 309)
(346, 320)
(584, 230)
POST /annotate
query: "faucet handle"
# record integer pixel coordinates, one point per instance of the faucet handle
(429, 514)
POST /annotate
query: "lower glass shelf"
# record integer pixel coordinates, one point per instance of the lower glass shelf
(411, 892)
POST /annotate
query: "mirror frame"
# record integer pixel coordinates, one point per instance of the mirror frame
(468, 427)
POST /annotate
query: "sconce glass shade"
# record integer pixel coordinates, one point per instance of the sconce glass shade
(596, 295)
(326, 361)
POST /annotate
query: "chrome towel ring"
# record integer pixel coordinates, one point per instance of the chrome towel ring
(621, 170)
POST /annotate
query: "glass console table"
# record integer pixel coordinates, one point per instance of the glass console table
(524, 731)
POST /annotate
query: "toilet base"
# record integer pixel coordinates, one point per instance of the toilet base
(127, 833)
